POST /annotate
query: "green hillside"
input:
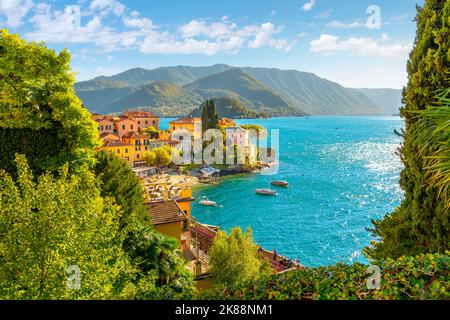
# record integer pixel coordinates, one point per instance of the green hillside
(312, 94)
(161, 97)
(259, 97)
(263, 90)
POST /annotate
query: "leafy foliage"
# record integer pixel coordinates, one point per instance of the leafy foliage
(423, 277)
(421, 223)
(433, 130)
(163, 156)
(120, 182)
(234, 258)
(38, 101)
(49, 225)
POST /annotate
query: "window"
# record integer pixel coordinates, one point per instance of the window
(123, 127)
(139, 122)
(137, 156)
(154, 122)
(126, 150)
(101, 128)
(146, 121)
(118, 151)
(131, 127)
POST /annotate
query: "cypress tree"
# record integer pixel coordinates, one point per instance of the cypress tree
(421, 223)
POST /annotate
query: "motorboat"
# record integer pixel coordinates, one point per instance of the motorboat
(280, 183)
(267, 192)
(206, 202)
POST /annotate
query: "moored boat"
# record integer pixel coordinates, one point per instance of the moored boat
(267, 192)
(280, 183)
(206, 202)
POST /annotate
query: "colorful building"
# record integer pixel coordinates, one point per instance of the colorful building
(141, 144)
(190, 124)
(169, 219)
(172, 217)
(123, 125)
(241, 138)
(122, 149)
(144, 119)
(105, 125)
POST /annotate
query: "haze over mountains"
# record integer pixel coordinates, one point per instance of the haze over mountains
(177, 91)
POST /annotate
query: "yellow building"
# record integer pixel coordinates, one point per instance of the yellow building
(169, 219)
(123, 150)
(190, 124)
(172, 217)
(141, 144)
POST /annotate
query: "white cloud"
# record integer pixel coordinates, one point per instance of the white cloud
(109, 58)
(350, 25)
(136, 22)
(14, 11)
(211, 30)
(264, 37)
(199, 36)
(329, 44)
(309, 5)
(64, 27)
(107, 6)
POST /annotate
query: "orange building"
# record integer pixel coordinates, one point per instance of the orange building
(190, 124)
(144, 119)
(140, 142)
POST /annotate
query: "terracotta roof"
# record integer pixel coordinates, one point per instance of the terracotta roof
(165, 212)
(186, 120)
(115, 143)
(104, 134)
(135, 135)
(141, 114)
(119, 118)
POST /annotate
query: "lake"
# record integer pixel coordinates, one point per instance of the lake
(343, 172)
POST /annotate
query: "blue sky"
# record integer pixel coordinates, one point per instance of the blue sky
(341, 40)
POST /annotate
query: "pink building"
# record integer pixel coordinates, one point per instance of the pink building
(123, 125)
(105, 125)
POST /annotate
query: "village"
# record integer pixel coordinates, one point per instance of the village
(132, 135)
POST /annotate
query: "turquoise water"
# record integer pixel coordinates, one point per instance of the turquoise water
(343, 172)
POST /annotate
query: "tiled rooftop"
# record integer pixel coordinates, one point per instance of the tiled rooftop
(165, 212)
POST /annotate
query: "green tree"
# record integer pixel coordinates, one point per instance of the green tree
(419, 224)
(119, 181)
(234, 258)
(153, 251)
(52, 224)
(149, 157)
(163, 156)
(209, 115)
(40, 115)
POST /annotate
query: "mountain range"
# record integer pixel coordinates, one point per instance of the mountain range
(179, 90)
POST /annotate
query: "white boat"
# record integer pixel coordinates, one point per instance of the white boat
(267, 192)
(206, 202)
(280, 183)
